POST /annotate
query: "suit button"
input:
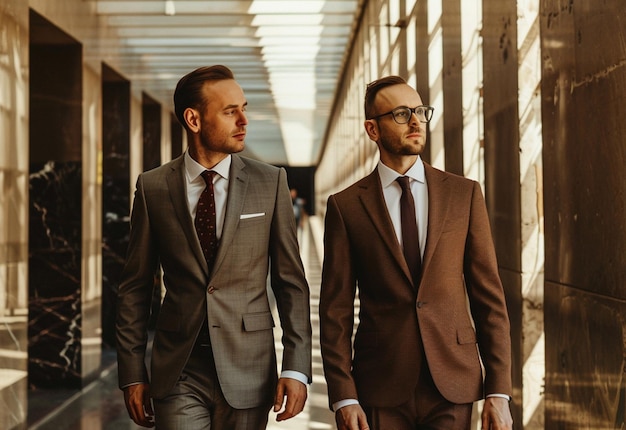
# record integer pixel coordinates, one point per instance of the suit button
(211, 289)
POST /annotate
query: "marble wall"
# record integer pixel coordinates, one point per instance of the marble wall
(55, 195)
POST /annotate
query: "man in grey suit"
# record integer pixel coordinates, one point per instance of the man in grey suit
(213, 356)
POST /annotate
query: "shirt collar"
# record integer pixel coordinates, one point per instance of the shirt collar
(193, 169)
(388, 175)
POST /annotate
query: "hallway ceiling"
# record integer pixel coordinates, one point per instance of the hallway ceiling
(286, 54)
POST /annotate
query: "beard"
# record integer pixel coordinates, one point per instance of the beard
(395, 145)
(220, 142)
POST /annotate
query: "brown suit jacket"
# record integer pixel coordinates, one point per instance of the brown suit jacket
(259, 232)
(361, 249)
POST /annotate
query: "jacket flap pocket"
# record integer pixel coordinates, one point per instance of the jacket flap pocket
(258, 321)
(465, 335)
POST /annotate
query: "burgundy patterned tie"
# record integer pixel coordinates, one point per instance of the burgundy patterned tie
(410, 238)
(205, 219)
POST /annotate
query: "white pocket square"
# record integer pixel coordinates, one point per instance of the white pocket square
(246, 216)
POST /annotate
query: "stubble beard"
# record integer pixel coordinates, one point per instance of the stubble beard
(225, 144)
(401, 147)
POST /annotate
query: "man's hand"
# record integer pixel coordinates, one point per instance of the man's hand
(296, 394)
(137, 399)
(496, 414)
(351, 417)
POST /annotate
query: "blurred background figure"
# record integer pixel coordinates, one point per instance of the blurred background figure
(298, 208)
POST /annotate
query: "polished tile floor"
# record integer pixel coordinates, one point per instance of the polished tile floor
(100, 405)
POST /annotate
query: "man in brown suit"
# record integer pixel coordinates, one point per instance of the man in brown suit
(423, 329)
(213, 357)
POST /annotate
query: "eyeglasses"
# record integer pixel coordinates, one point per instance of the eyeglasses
(402, 114)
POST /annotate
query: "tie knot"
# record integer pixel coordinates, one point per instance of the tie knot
(404, 182)
(207, 175)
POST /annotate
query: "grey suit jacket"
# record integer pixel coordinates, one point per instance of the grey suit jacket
(259, 236)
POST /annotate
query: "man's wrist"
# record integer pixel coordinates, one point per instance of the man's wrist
(502, 396)
(342, 403)
(294, 374)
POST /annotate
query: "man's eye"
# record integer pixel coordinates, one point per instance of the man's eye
(420, 111)
(401, 114)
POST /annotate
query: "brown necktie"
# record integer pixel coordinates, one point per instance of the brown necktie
(410, 238)
(205, 219)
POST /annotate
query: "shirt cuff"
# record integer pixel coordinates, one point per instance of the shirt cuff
(341, 403)
(132, 383)
(294, 374)
(502, 396)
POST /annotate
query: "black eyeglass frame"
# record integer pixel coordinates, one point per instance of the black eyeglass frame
(428, 113)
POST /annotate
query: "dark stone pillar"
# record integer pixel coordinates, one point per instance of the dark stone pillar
(55, 251)
(115, 192)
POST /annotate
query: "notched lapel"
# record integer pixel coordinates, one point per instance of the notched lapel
(438, 203)
(178, 193)
(373, 202)
(237, 189)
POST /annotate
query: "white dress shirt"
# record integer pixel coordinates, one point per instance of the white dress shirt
(195, 185)
(392, 193)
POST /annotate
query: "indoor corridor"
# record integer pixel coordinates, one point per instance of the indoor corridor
(100, 405)
(529, 100)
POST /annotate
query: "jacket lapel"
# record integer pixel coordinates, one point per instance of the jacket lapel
(237, 188)
(438, 202)
(178, 193)
(371, 196)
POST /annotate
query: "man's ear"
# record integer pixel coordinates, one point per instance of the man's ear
(192, 118)
(371, 128)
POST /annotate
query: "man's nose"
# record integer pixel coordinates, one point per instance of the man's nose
(243, 119)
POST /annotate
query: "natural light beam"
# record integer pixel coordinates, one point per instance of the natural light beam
(289, 54)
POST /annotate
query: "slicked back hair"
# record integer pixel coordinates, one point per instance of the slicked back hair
(372, 90)
(188, 93)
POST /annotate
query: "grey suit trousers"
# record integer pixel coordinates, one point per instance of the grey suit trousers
(196, 402)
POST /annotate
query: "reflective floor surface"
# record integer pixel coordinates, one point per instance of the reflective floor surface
(100, 406)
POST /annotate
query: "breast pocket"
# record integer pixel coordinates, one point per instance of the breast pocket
(252, 219)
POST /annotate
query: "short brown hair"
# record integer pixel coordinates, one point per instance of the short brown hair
(188, 93)
(374, 87)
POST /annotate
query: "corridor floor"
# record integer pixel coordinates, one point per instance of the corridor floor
(100, 405)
